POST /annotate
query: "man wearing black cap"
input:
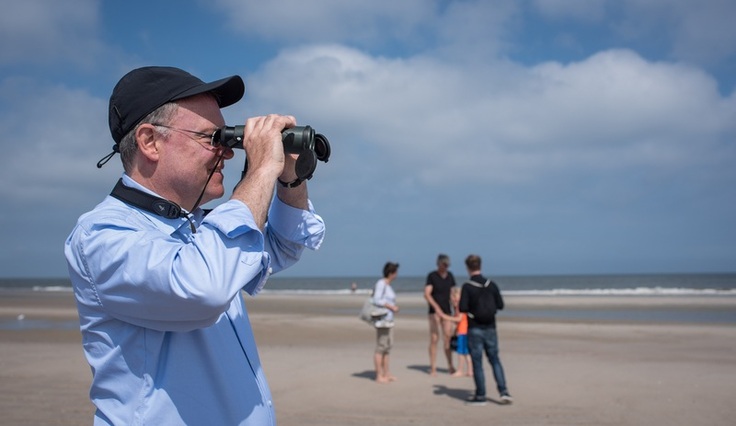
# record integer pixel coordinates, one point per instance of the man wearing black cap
(158, 284)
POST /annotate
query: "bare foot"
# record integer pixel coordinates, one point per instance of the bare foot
(382, 380)
(391, 378)
(457, 374)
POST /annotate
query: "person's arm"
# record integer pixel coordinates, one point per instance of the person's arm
(288, 223)
(456, 318)
(390, 307)
(289, 231)
(266, 162)
(499, 298)
(464, 305)
(379, 296)
(428, 297)
(122, 263)
(297, 196)
(378, 293)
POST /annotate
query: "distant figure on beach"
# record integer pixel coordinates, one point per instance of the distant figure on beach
(464, 363)
(437, 295)
(353, 287)
(480, 298)
(384, 296)
(158, 284)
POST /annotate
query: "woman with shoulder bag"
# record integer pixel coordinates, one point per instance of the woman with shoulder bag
(384, 296)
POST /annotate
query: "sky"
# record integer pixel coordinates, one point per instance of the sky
(547, 136)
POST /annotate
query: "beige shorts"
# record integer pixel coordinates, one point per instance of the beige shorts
(384, 340)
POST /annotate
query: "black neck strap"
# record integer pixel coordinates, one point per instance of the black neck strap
(145, 201)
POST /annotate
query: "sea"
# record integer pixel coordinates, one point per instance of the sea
(533, 285)
(683, 287)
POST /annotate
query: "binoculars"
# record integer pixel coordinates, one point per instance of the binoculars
(300, 140)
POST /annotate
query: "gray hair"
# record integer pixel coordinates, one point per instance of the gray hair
(128, 145)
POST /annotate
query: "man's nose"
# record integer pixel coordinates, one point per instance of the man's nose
(227, 153)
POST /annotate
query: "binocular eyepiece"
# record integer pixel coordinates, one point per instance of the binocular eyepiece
(300, 140)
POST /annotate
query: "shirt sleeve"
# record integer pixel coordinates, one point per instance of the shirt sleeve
(379, 293)
(464, 304)
(288, 231)
(121, 262)
(499, 298)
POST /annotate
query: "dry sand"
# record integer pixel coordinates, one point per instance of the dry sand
(318, 359)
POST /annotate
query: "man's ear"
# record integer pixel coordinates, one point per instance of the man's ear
(146, 137)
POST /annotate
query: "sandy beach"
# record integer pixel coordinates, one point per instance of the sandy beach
(318, 359)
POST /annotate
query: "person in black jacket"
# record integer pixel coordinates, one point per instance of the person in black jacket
(480, 299)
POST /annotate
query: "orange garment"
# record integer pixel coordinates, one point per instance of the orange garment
(462, 326)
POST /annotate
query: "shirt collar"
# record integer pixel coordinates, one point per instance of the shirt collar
(169, 226)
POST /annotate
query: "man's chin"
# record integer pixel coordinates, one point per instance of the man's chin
(213, 193)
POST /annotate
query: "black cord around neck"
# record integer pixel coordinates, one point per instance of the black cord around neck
(150, 203)
(158, 205)
(201, 194)
(146, 201)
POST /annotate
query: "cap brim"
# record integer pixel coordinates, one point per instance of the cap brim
(228, 90)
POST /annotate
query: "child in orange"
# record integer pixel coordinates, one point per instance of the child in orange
(465, 365)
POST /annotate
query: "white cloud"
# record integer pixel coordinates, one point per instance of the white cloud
(700, 32)
(706, 32)
(322, 20)
(437, 118)
(476, 31)
(581, 10)
(442, 122)
(52, 139)
(49, 32)
(456, 30)
(52, 136)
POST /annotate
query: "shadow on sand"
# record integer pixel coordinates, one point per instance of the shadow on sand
(425, 369)
(461, 394)
(367, 374)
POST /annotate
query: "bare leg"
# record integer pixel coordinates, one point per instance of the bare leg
(460, 366)
(447, 332)
(464, 367)
(379, 364)
(434, 337)
(386, 372)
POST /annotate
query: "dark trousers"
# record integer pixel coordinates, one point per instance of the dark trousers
(482, 340)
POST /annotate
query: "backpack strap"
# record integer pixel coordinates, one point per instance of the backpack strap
(479, 285)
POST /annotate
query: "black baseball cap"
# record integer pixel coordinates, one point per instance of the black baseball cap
(143, 90)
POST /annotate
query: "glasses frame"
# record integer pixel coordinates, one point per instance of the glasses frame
(214, 140)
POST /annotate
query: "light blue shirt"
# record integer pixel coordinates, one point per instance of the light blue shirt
(164, 326)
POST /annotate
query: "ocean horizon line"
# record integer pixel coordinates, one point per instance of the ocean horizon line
(643, 291)
(284, 276)
(548, 285)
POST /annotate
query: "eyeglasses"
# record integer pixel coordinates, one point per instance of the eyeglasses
(213, 141)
